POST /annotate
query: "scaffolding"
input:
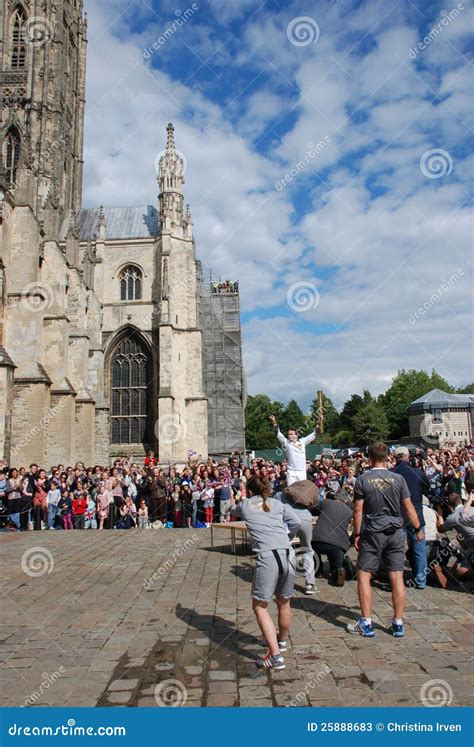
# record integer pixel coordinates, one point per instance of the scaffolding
(223, 374)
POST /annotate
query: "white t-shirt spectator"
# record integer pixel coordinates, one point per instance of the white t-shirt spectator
(431, 533)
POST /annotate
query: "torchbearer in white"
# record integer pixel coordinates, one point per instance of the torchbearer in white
(295, 451)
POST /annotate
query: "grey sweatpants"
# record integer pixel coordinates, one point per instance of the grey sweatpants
(305, 551)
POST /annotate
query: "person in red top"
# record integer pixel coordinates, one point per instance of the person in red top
(150, 459)
(79, 505)
(39, 503)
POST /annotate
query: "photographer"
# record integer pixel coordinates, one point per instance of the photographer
(461, 521)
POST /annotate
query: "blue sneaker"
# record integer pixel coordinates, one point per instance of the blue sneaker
(361, 628)
(398, 630)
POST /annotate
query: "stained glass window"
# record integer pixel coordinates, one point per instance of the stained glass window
(131, 284)
(129, 377)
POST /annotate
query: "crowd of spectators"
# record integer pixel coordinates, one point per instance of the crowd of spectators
(224, 286)
(145, 495)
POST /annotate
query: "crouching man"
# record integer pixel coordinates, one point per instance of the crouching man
(330, 535)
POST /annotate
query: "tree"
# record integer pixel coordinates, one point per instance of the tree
(352, 407)
(468, 389)
(341, 439)
(258, 429)
(292, 417)
(370, 424)
(404, 389)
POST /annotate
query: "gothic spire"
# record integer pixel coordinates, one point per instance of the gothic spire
(171, 180)
(170, 149)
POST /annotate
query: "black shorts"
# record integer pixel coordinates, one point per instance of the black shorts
(377, 546)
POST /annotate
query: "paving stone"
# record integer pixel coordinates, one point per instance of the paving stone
(224, 700)
(123, 685)
(119, 698)
(218, 675)
(261, 703)
(201, 634)
(147, 702)
(223, 687)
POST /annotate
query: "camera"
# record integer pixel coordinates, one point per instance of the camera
(443, 550)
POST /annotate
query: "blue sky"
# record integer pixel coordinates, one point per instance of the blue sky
(329, 168)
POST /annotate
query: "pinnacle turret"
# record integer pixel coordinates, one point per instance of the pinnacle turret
(171, 180)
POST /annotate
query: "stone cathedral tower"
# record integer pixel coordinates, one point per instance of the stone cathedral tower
(182, 402)
(51, 402)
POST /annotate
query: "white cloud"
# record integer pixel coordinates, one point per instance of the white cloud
(360, 221)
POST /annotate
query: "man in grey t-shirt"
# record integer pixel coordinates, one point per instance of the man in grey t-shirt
(378, 499)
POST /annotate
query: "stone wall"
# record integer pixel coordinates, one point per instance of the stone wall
(85, 432)
(30, 423)
(61, 446)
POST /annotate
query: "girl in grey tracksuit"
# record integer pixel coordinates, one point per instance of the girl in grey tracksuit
(270, 524)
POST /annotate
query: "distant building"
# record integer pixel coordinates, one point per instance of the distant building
(442, 416)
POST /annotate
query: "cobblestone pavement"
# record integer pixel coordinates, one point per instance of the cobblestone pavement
(157, 617)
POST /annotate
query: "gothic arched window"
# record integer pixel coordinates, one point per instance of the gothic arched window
(131, 283)
(129, 381)
(18, 56)
(11, 154)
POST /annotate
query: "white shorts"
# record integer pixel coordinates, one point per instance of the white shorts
(294, 475)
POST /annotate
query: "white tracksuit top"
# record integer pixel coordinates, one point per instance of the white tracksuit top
(295, 453)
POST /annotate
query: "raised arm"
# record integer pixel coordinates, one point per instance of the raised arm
(310, 437)
(279, 435)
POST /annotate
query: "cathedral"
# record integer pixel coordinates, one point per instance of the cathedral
(111, 340)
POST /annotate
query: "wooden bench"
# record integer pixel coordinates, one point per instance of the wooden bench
(234, 527)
